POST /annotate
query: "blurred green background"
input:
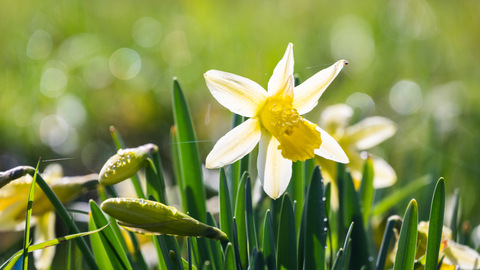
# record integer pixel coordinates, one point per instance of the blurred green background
(70, 69)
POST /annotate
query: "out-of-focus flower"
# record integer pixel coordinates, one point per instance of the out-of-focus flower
(14, 199)
(455, 254)
(275, 122)
(361, 136)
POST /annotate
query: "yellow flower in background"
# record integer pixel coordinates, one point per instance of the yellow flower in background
(13, 206)
(363, 135)
(274, 121)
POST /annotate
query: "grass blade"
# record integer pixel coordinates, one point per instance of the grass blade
(53, 242)
(154, 186)
(360, 249)
(215, 246)
(189, 159)
(98, 249)
(392, 222)
(251, 231)
(287, 237)
(315, 238)
(435, 226)
(67, 220)
(346, 246)
(110, 239)
(365, 193)
(400, 195)
(338, 264)
(26, 237)
(226, 213)
(229, 260)
(407, 242)
(240, 218)
(269, 242)
(296, 188)
(238, 261)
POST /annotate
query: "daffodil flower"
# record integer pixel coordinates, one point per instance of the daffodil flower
(13, 206)
(366, 134)
(274, 120)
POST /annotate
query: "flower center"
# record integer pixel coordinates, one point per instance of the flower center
(298, 138)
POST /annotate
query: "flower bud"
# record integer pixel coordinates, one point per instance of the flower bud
(124, 164)
(153, 218)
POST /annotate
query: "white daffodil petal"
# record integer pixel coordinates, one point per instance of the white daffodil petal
(370, 132)
(335, 118)
(330, 149)
(235, 144)
(274, 171)
(383, 174)
(282, 71)
(238, 94)
(463, 256)
(306, 95)
(44, 230)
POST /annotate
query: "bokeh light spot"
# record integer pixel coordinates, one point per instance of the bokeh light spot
(406, 97)
(53, 83)
(352, 39)
(125, 63)
(96, 73)
(69, 145)
(40, 45)
(84, 47)
(362, 101)
(71, 109)
(147, 32)
(53, 130)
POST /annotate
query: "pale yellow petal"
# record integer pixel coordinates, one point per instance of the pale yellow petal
(235, 144)
(383, 174)
(274, 171)
(238, 94)
(463, 256)
(330, 149)
(306, 95)
(282, 72)
(369, 132)
(335, 118)
(44, 230)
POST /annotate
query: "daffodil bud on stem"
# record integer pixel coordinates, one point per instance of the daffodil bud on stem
(15, 173)
(153, 218)
(125, 163)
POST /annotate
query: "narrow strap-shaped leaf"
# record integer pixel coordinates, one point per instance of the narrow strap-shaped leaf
(110, 239)
(454, 220)
(189, 253)
(117, 139)
(365, 193)
(215, 246)
(176, 164)
(287, 237)
(387, 237)
(341, 223)
(435, 226)
(407, 242)
(177, 253)
(238, 261)
(241, 221)
(26, 236)
(189, 159)
(251, 231)
(346, 245)
(226, 213)
(235, 169)
(296, 188)
(257, 260)
(315, 240)
(160, 182)
(399, 195)
(338, 264)
(67, 220)
(98, 249)
(229, 258)
(269, 242)
(8, 264)
(361, 255)
(327, 194)
(154, 187)
(160, 241)
(309, 166)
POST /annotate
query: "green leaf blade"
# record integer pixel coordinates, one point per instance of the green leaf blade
(435, 226)
(407, 242)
